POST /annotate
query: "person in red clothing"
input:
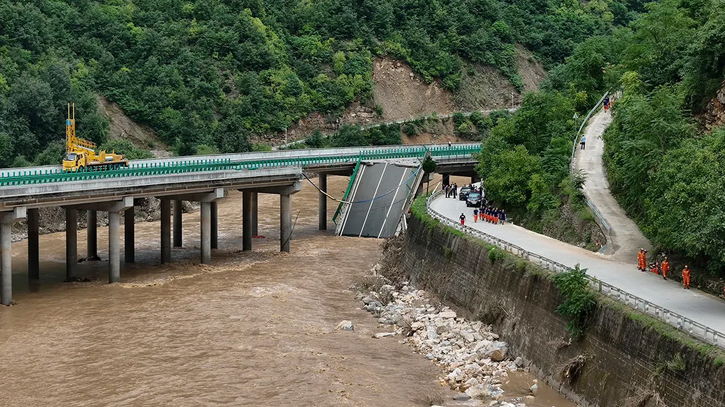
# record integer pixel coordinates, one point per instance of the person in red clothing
(665, 268)
(462, 218)
(686, 278)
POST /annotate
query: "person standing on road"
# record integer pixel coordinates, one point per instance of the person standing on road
(606, 103)
(502, 217)
(665, 268)
(583, 143)
(641, 260)
(475, 215)
(462, 218)
(686, 278)
(455, 191)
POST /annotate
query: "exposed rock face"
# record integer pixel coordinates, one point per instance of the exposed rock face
(715, 115)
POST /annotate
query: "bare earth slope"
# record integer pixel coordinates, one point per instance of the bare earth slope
(625, 236)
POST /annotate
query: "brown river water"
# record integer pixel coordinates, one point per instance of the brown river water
(252, 329)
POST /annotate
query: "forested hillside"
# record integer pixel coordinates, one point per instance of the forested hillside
(206, 74)
(665, 167)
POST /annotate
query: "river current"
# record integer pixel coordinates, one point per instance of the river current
(254, 328)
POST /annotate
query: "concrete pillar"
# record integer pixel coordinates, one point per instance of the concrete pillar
(214, 226)
(33, 245)
(129, 240)
(91, 235)
(71, 242)
(446, 179)
(247, 215)
(177, 223)
(6, 268)
(285, 222)
(206, 233)
(114, 247)
(475, 179)
(165, 230)
(255, 213)
(323, 202)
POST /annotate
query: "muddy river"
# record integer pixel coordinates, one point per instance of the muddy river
(254, 328)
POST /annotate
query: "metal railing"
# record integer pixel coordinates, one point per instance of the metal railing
(672, 318)
(301, 158)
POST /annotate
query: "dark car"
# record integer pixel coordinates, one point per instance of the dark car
(474, 199)
(463, 193)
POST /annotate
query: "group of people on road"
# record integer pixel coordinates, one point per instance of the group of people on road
(451, 190)
(489, 214)
(661, 266)
(608, 103)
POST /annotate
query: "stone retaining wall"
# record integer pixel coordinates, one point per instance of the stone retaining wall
(630, 359)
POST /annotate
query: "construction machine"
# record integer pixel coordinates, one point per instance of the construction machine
(80, 154)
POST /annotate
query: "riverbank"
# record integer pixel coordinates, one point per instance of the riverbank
(624, 358)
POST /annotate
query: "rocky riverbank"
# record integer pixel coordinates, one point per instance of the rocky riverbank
(474, 361)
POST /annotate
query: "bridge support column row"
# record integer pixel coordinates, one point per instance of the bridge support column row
(6, 261)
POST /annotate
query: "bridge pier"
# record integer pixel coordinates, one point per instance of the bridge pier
(214, 213)
(247, 221)
(177, 223)
(322, 206)
(91, 235)
(165, 230)
(114, 247)
(71, 242)
(446, 179)
(205, 232)
(33, 244)
(6, 243)
(285, 222)
(255, 213)
(129, 240)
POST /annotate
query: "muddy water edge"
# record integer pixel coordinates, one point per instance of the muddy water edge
(253, 328)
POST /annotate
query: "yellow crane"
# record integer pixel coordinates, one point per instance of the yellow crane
(80, 154)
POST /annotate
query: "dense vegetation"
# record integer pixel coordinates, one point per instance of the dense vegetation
(210, 73)
(665, 168)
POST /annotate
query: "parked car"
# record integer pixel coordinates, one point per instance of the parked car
(463, 193)
(473, 200)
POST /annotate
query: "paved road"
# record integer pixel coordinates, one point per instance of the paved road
(625, 237)
(694, 304)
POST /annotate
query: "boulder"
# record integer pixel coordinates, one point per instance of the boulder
(447, 314)
(345, 326)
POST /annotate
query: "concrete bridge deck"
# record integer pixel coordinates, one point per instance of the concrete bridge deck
(202, 179)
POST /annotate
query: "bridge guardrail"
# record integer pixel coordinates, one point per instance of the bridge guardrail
(672, 318)
(325, 157)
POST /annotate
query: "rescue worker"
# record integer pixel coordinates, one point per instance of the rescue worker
(665, 268)
(656, 267)
(686, 278)
(475, 215)
(462, 218)
(642, 259)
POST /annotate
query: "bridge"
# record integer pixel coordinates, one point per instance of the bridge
(202, 179)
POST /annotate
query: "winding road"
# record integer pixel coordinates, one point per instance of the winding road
(618, 265)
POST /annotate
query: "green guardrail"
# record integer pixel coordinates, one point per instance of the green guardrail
(25, 177)
(347, 192)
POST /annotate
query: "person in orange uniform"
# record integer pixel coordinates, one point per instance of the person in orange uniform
(642, 259)
(686, 278)
(665, 268)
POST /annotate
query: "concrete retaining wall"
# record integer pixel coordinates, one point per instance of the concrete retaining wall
(626, 354)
